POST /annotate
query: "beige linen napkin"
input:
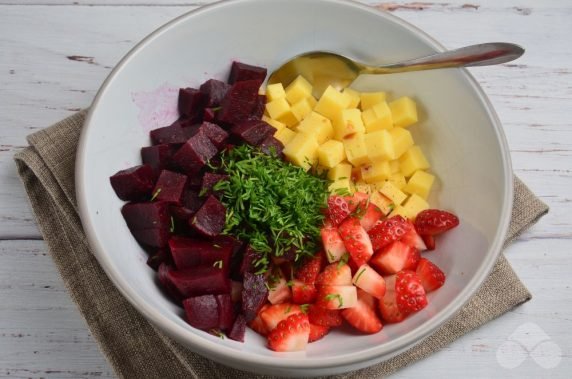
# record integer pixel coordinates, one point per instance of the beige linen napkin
(132, 345)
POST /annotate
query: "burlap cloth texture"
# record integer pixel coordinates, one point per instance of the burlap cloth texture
(132, 345)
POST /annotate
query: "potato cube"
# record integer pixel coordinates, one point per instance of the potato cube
(394, 165)
(280, 110)
(332, 103)
(356, 150)
(377, 117)
(353, 95)
(299, 89)
(348, 122)
(404, 112)
(398, 210)
(388, 189)
(301, 109)
(369, 99)
(402, 141)
(340, 186)
(317, 125)
(312, 101)
(375, 172)
(413, 160)
(420, 183)
(414, 205)
(275, 124)
(331, 153)
(363, 187)
(340, 171)
(275, 91)
(302, 150)
(398, 180)
(379, 146)
(284, 135)
(384, 203)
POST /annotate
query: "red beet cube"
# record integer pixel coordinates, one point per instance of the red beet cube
(160, 256)
(192, 102)
(170, 187)
(225, 311)
(209, 181)
(163, 274)
(238, 329)
(158, 157)
(242, 71)
(198, 281)
(259, 108)
(146, 215)
(239, 102)
(154, 237)
(135, 183)
(176, 133)
(209, 114)
(253, 132)
(249, 259)
(215, 133)
(202, 311)
(194, 154)
(192, 252)
(215, 90)
(254, 295)
(272, 146)
(209, 220)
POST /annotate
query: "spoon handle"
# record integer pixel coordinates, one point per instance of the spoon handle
(475, 55)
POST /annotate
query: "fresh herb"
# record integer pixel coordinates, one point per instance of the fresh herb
(218, 264)
(288, 309)
(304, 308)
(172, 228)
(217, 246)
(203, 191)
(361, 209)
(155, 194)
(216, 109)
(217, 333)
(359, 275)
(343, 260)
(290, 283)
(337, 296)
(342, 192)
(391, 207)
(272, 204)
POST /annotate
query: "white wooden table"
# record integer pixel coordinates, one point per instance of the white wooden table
(54, 54)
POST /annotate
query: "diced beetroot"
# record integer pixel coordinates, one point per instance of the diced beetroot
(239, 102)
(209, 220)
(192, 200)
(253, 132)
(242, 71)
(196, 181)
(238, 330)
(209, 181)
(198, 281)
(258, 109)
(215, 90)
(254, 294)
(146, 215)
(225, 311)
(215, 133)
(180, 213)
(230, 241)
(194, 154)
(170, 187)
(235, 291)
(155, 237)
(272, 146)
(192, 102)
(164, 279)
(135, 183)
(209, 114)
(202, 311)
(155, 260)
(158, 157)
(249, 260)
(192, 252)
(176, 133)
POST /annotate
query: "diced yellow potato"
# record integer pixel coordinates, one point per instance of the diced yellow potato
(284, 135)
(340, 184)
(413, 160)
(275, 124)
(404, 111)
(317, 125)
(414, 205)
(353, 95)
(332, 103)
(369, 99)
(348, 122)
(299, 89)
(402, 140)
(388, 189)
(398, 180)
(363, 187)
(420, 183)
(280, 110)
(379, 146)
(275, 91)
(398, 210)
(340, 171)
(356, 150)
(302, 150)
(331, 153)
(394, 165)
(312, 101)
(384, 203)
(301, 109)
(377, 117)
(375, 172)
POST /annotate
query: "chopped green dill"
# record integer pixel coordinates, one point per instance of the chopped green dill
(342, 177)
(217, 246)
(342, 192)
(288, 309)
(155, 194)
(361, 209)
(216, 109)
(391, 207)
(337, 296)
(290, 283)
(359, 275)
(218, 264)
(343, 260)
(331, 256)
(203, 192)
(217, 333)
(172, 228)
(267, 286)
(304, 308)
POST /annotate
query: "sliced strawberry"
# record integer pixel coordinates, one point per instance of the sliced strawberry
(317, 332)
(335, 274)
(430, 275)
(409, 292)
(367, 298)
(387, 231)
(435, 221)
(369, 216)
(337, 297)
(429, 242)
(356, 199)
(333, 244)
(257, 324)
(303, 293)
(390, 313)
(356, 240)
(338, 209)
(324, 317)
(291, 334)
(362, 316)
(310, 270)
(370, 281)
(279, 291)
(272, 315)
(395, 257)
(413, 239)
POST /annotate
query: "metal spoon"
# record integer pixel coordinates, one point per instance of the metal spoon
(324, 68)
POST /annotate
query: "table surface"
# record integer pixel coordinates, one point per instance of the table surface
(54, 54)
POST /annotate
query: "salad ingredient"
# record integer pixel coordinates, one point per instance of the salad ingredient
(368, 280)
(135, 183)
(409, 292)
(335, 275)
(432, 222)
(291, 334)
(387, 231)
(356, 240)
(363, 316)
(395, 257)
(430, 275)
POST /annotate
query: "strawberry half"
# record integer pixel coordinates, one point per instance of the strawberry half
(429, 242)
(324, 317)
(434, 221)
(356, 199)
(390, 313)
(387, 231)
(409, 292)
(303, 293)
(337, 297)
(279, 291)
(369, 216)
(291, 334)
(317, 332)
(369, 281)
(430, 275)
(335, 274)
(356, 240)
(333, 244)
(395, 257)
(310, 270)
(338, 209)
(272, 315)
(257, 324)
(362, 316)
(413, 239)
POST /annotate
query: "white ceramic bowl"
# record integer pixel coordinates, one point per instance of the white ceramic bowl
(459, 130)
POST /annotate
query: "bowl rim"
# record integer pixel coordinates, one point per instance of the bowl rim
(228, 354)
